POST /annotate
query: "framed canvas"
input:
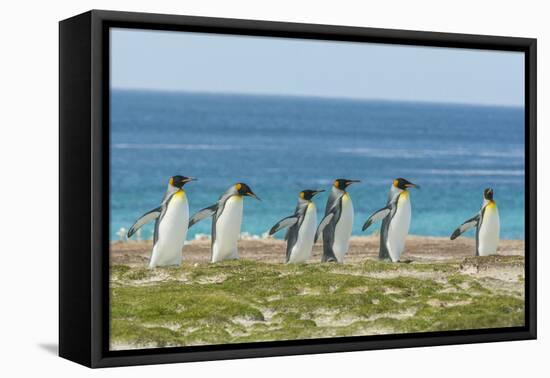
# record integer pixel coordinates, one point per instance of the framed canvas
(235, 188)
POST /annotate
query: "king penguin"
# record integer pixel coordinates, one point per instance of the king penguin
(299, 237)
(227, 215)
(396, 220)
(487, 224)
(171, 220)
(337, 223)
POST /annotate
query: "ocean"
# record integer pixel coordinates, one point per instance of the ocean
(281, 145)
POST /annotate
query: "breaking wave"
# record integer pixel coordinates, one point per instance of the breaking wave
(391, 153)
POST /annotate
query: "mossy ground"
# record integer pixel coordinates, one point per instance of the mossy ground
(244, 301)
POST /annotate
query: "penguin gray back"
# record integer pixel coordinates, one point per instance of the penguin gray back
(292, 234)
(334, 206)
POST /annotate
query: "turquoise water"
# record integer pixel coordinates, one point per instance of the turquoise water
(281, 145)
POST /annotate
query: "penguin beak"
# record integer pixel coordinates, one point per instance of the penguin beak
(318, 191)
(250, 194)
(349, 182)
(411, 185)
(188, 179)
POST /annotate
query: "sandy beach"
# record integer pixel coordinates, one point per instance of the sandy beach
(418, 248)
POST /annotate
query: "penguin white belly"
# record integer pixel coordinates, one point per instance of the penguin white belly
(172, 231)
(342, 231)
(399, 227)
(306, 234)
(228, 229)
(489, 231)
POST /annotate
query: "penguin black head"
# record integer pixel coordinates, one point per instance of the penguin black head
(309, 194)
(244, 190)
(404, 184)
(488, 194)
(179, 181)
(342, 184)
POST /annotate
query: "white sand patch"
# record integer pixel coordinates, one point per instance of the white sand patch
(392, 290)
(245, 321)
(268, 314)
(273, 298)
(438, 303)
(394, 315)
(331, 318)
(171, 326)
(219, 278)
(336, 319)
(357, 290)
(156, 277)
(308, 291)
(505, 273)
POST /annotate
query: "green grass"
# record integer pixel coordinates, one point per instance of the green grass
(243, 301)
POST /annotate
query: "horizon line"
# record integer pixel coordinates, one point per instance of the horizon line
(321, 97)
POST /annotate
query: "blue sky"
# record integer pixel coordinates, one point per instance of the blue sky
(181, 61)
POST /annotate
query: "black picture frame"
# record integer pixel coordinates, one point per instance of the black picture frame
(84, 187)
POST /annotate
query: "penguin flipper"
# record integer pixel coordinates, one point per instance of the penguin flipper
(145, 218)
(202, 214)
(470, 223)
(326, 220)
(283, 223)
(377, 216)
